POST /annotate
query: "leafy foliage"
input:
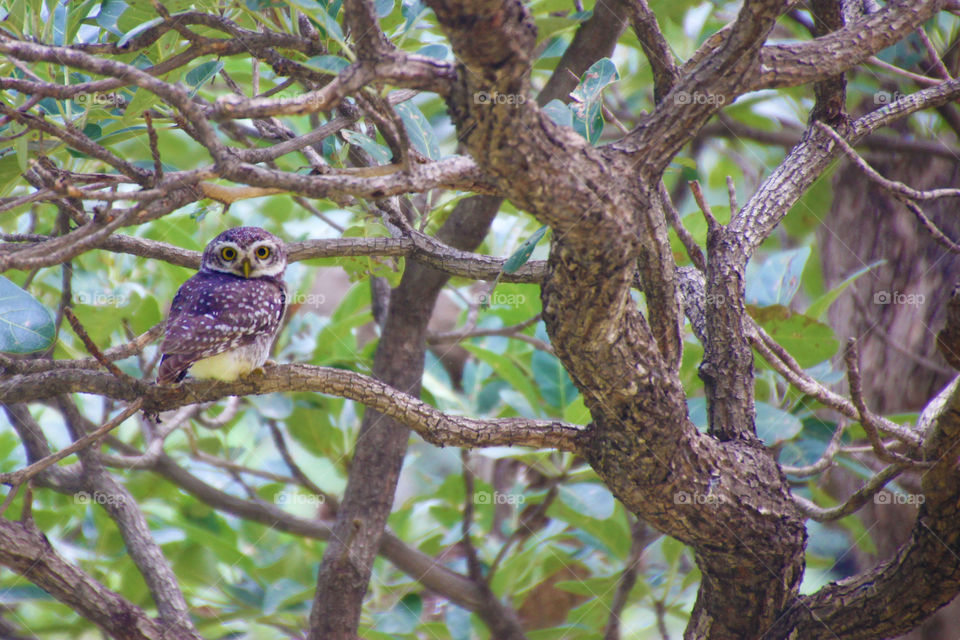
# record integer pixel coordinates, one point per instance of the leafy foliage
(244, 577)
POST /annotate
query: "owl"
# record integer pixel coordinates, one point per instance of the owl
(224, 319)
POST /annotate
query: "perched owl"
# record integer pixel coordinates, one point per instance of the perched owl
(223, 320)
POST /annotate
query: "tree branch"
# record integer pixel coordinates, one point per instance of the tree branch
(25, 550)
(787, 65)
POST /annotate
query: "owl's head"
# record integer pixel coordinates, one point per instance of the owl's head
(248, 252)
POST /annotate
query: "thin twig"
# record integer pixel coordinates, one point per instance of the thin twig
(854, 502)
(93, 349)
(923, 81)
(930, 226)
(852, 358)
(474, 570)
(154, 148)
(512, 331)
(641, 537)
(686, 238)
(825, 461)
(934, 57)
(732, 194)
(784, 364)
(17, 478)
(280, 442)
(890, 185)
(702, 203)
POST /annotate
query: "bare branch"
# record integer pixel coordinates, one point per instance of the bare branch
(25, 550)
(869, 422)
(892, 186)
(784, 65)
(784, 364)
(655, 47)
(434, 426)
(686, 238)
(825, 461)
(19, 477)
(120, 505)
(859, 498)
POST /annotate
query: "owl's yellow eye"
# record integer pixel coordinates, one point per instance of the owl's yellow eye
(228, 253)
(263, 252)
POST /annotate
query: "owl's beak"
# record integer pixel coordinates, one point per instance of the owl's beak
(245, 264)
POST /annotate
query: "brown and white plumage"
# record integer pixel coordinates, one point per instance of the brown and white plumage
(223, 320)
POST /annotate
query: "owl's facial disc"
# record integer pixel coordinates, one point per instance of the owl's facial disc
(225, 258)
(263, 259)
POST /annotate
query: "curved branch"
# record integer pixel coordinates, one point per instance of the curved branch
(405, 70)
(25, 550)
(923, 576)
(859, 498)
(435, 427)
(425, 569)
(787, 65)
(811, 156)
(704, 86)
(247, 40)
(131, 522)
(417, 246)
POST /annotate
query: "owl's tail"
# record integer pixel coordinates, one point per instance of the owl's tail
(172, 369)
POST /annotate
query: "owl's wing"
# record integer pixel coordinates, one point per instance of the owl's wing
(212, 315)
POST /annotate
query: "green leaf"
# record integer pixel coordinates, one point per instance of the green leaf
(588, 98)
(330, 64)
(110, 12)
(200, 74)
(438, 51)
(523, 253)
(589, 498)
(508, 370)
(129, 35)
(21, 145)
(613, 532)
(590, 586)
(588, 121)
(807, 340)
(559, 113)
(176, 231)
(26, 326)
(142, 101)
(552, 379)
(775, 425)
(281, 591)
(457, 619)
(331, 26)
(777, 281)
(402, 618)
(60, 23)
(554, 49)
(419, 130)
(92, 131)
(601, 73)
(368, 144)
(412, 12)
(819, 307)
(383, 7)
